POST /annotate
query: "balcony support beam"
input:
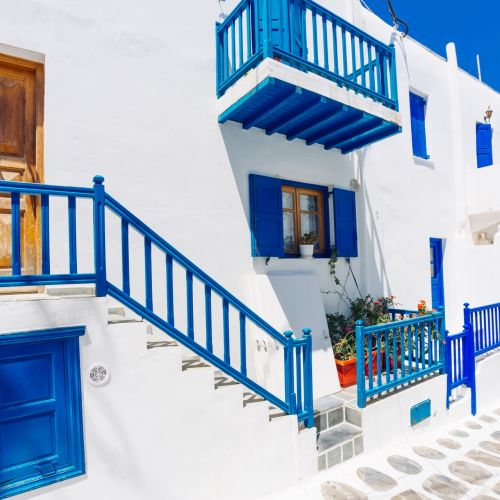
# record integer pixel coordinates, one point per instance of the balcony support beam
(365, 124)
(346, 119)
(309, 128)
(280, 105)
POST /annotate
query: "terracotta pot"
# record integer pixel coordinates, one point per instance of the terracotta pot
(347, 370)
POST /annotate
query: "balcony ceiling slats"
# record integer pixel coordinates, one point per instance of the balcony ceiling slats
(280, 107)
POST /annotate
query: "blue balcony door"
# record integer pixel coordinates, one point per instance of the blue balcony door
(286, 24)
(436, 262)
(40, 416)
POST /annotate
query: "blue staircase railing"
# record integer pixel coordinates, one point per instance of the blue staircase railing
(390, 355)
(296, 397)
(485, 325)
(305, 35)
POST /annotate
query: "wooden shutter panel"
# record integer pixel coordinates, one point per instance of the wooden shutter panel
(266, 216)
(484, 148)
(417, 113)
(344, 212)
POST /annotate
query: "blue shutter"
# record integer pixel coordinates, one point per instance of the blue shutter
(266, 215)
(344, 212)
(277, 27)
(484, 148)
(417, 113)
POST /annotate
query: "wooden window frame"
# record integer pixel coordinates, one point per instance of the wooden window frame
(297, 191)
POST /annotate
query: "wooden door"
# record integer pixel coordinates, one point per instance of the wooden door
(21, 155)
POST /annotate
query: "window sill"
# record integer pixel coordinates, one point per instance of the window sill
(426, 162)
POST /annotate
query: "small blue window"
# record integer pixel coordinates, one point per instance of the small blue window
(41, 434)
(484, 146)
(417, 113)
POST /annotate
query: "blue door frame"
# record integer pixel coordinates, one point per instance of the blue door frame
(436, 265)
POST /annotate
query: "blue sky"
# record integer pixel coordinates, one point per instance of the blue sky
(472, 25)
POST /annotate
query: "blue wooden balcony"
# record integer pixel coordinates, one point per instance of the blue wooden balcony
(292, 67)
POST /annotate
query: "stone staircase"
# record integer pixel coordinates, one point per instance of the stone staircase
(338, 423)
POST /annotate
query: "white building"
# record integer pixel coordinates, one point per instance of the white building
(216, 159)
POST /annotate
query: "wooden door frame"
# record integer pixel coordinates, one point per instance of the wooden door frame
(39, 71)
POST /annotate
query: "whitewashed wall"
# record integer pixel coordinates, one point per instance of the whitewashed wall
(130, 94)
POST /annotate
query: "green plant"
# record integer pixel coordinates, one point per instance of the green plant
(342, 328)
(309, 238)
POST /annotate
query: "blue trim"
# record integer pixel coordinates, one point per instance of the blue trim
(420, 412)
(75, 465)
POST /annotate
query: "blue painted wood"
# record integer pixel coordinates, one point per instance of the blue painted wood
(437, 279)
(484, 145)
(290, 395)
(189, 304)
(225, 331)
(16, 233)
(40, 415)
(208, 318)
(99, 237)
(148, 278)
(125, 258)
(72, 246)
(169, 273)
(266, 215)
(412, 353)
(420, 412)
(243, 345)
(298, 377)
(279, 30)
(344, 216)
(44, 199)
(417, 113)
(103, 201)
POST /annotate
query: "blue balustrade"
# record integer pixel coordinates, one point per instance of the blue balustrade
(305, 35)
(485, 324)
(296, 397)
(390, 355)
(460, 364)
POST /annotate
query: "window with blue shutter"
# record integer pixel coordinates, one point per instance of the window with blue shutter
(417, 114)
(41, 433)
(484, 146)
(266, 216)
(283, 212)
(344, 211)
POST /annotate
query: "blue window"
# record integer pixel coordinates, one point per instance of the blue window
(41, 438)
(285, 214)
(484, 146)
(417, 113)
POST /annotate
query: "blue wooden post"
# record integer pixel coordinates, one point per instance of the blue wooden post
(45, 234)
(470, 357)
(360, 363)
(447, 367)
(290, 397)
(15, 204)
(267, 42)
(441, 337)
(393, 76)
(308, 378)
(99, 237)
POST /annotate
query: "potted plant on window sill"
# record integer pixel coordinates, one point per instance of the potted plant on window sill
(307, 243)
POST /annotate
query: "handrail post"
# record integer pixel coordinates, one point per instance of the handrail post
(99, 237)
(290, 397)
(447, 365)
(470, 357)
(393, 76)
(267, 42)
(441, 337)
(308, 379)
(360, 363)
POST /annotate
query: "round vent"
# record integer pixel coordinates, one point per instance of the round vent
(98, 374)
(354, 184)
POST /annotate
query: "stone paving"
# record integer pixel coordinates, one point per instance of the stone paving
(460, 461)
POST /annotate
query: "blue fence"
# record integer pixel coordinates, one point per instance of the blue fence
(460, 364)
(305, 35)
(390, 355)
(485, 324)
(297, 395)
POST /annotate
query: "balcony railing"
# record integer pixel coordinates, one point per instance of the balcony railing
(304, 35)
